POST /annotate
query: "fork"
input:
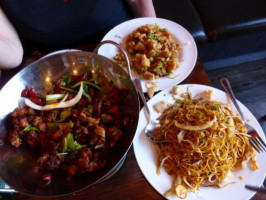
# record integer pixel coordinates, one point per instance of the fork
(255, 140)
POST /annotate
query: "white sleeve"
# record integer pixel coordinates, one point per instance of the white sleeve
(11, 51)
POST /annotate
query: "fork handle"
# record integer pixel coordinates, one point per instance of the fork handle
(227, 86)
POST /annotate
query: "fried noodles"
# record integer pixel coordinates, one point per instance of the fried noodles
(205, 140)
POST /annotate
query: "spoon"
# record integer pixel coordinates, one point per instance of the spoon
(152, 130)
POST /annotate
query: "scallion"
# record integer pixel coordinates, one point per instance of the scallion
(159, 66)
(179, 101)
(31, 128)
(90, 108)
(151, 36)
(51, 97)
(202, 134)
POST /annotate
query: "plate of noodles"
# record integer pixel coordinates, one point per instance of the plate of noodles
(162, 53)
(206, 149)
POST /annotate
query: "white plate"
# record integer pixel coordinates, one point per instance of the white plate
(189, 49)
(146, 155)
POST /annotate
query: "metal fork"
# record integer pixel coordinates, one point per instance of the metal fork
(255, 140)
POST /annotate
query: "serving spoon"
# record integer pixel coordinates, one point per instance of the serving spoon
(152, 130)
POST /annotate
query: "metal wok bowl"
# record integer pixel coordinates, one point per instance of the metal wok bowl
(18, 165)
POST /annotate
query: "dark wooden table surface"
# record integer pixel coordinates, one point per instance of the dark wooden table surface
(248, 80)
(128, 182)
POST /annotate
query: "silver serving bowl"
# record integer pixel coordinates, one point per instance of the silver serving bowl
(18, 166)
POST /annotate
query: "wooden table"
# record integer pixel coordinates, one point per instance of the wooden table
(128, 182)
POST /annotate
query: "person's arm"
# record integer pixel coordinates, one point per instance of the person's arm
(11, 51)
(142, 8)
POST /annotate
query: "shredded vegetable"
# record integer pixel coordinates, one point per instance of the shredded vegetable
(52, 97)
(64, 104)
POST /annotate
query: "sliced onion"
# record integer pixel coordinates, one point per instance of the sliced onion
(61, 104)
(180, 136)
(196, 128)
(65, 97)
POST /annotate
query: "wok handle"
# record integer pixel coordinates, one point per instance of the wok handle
(135, 81)
(120, 48)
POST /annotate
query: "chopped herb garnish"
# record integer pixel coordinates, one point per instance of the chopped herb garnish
(90, 108)
(31, 128)
(169, 74)
(176, 86)
(63, 83)
(157, 26)
(153, 53)
(215, 107)
(85, 87)
(160, 40)
(179, 101)
(202, 134)
(70, 143)
(159, 66)
(66, 80)
(151, 36)
(218, 116)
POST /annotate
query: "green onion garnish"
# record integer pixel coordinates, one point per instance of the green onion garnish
(160, 40)
(151, 36)
(215, 107)
(31, 128)
(66, 80)
(157, 26)
(153, 53)
(90, 108)
(51, 97)
(202, 134)
(179, 101)
(159, 66)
